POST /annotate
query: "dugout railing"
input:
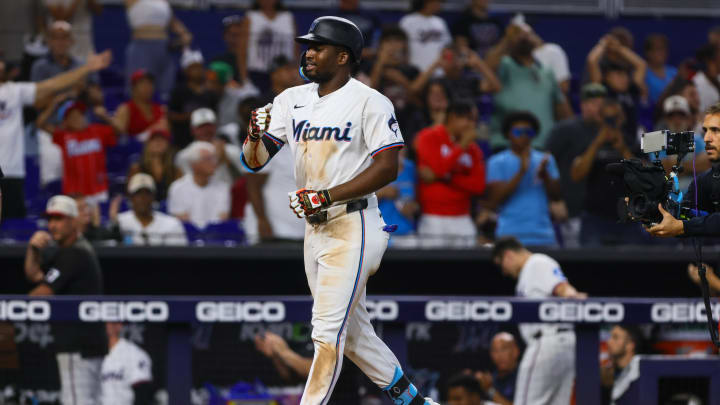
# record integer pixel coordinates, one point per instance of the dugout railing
(178, 313)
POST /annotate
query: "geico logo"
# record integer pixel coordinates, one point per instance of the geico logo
(382, 310)
(250, 311)
(581, 312)
(131, 311)
(682, 312)
(24, 310)
(468, 311)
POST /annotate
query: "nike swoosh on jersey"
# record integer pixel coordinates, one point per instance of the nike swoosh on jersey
(299, 106)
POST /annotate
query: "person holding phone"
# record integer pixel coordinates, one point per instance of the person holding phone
(599, 218)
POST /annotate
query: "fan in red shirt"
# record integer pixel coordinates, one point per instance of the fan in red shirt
(451, 170)
(83, 148)
(140, 116)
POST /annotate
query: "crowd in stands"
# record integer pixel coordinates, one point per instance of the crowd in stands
(500, 139)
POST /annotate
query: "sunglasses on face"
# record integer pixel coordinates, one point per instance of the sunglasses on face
(518, 132)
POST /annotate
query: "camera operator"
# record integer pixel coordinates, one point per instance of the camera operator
(707, 191)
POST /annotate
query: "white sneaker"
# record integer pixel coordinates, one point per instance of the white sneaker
(429, 401)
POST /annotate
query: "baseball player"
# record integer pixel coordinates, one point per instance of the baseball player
(345, 139)
(126, 372)
(547, 368)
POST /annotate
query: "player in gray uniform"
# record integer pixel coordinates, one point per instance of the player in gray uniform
(345, 140)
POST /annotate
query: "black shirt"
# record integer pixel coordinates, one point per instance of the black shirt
(366, 20)
(184, 100)
(568, 140)
(604, 189)
(482, 32)
(75, 270)
(708, 199)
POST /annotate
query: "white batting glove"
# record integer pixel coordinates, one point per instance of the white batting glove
(306, 202)
(259, 122)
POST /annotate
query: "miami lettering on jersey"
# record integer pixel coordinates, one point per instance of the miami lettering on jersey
(77, 148)
(303, 130)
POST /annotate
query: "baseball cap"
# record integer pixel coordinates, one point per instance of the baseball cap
(202, 116)
(676, 104)
(592, 90)
(62, 205)
(140, 74)
(190, 57)
(222, 70)
(139, 182)
(69, 106)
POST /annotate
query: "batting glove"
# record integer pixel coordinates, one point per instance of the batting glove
(307, 202)
(259, 122)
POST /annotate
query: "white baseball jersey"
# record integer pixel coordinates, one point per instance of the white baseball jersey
(333, 138)
(125, 365)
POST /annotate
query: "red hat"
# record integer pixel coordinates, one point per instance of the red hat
(74, 105)
(140, 74)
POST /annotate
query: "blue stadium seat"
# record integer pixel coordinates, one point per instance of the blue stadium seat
(228, 233)
(19, 229)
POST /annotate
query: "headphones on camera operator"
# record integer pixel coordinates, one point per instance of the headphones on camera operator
(647, 186)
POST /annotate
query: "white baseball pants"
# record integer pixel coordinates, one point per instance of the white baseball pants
(547, 371)
(79, 379)
(340, 256)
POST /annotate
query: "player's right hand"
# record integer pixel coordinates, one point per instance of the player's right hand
(259, 122)
(40, 240)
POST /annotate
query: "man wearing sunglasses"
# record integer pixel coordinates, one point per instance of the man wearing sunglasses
(521, 182)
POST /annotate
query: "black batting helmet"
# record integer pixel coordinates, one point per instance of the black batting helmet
(335, 31)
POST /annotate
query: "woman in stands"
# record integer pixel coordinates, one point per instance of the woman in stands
(150, 22)
(267, 31)
(140, 116)
(157, 161)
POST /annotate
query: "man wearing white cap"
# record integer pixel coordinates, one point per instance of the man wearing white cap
(62, 262)
(203, 123)
(677, 117)
(142, 225)
(193, 93)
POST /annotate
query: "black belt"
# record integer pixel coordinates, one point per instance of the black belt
(539, 333)
(351, 206)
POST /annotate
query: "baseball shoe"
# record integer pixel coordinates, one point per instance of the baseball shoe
(429, 401)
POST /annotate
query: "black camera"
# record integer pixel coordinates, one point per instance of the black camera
(647, 185)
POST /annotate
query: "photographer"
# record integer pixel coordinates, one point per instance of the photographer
(707, 191)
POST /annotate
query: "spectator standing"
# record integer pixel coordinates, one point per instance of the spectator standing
(62, 262)
(230, 92)
(467, 75)
(140, 115)
(233, 33)
(552, 56)
(526, 86)
(268, 30)
(391, 67)
(79, 13)
(568, 140)
(194, 198)
(477, 29)
(204, 129)
(706, 79)
(600, 219)
(84, 147)
(499, 386)
(521, 182)
(267, 218)
(427, 33)
(60, 37)
(623, 347)
(545, 376)
(659, 74)
(464, 389)
(191, 94)
(158, 160)
(149, 47)
(126, 371)
(143, 226)
(13, 96)
(451, 170)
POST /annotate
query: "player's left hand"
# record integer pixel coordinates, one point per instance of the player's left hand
(668, 227)
(305, 202)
